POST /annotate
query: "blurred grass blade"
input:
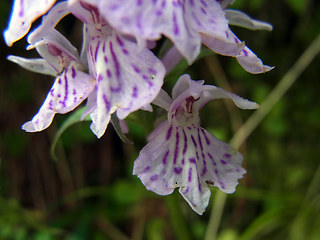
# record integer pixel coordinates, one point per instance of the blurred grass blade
(74, 118)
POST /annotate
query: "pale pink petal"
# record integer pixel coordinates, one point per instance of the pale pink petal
(71, 87)
(148, 20)
(23, 14)
(127, 78)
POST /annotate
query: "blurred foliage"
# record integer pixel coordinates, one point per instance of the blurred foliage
(90, 193)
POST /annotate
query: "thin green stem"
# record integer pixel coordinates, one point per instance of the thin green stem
(177, 219)
(215, 215)
(286, 82)
(242, 134)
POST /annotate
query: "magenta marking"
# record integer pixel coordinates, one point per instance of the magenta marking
(165, 157)
(154, 177)
(106, 102)
(146, 169)
(176, 150)
(177, 170)
(168, 135)
(190, 175)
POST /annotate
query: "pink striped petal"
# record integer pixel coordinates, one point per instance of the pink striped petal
(70, 88)
(127, 78)
(23, 14)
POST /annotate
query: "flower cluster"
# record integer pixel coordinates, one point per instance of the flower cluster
(117, 72)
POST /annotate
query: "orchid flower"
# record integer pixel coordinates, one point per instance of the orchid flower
(186, 23)
(23, 14)
(128, 77)
(60, 59)
(181, 154)
(122, 78)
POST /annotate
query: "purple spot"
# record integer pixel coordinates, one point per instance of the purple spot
(115, 60)
(227, 34)
(227, 155)
(104, 47)
(100, 77)
(106, 102)
(236, 40)
(75, 99)
(186, 191)
(66, 86)
(51, 92)
(203, 11)
(152, 71)
(175, 25)
(190, 175)
(191, 2)
(176, 150)
(150, 83)
(223, 161)
(192, 160)
(223, 186)
(51, 104)
(165, 157)
(117, 67)
(199, 187)
(125, 51)
(109, 74)
(96, 52)
(204, 3)
(185, 142)
(204, 170)
(135, 92)
(177, 170)
(154, 177)
(73, 72)
(168, 135)
(216, 172)
(146, 169)
(21, 13)
(205, 136)
(105, 59)
(74, 91)
(194, 141)
(245, 52)
(59, 80)
(59, 95)
(212, 159)
(135, 68)
(119, 41)
(145, 77)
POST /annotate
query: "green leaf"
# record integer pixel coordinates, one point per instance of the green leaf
(73, 119)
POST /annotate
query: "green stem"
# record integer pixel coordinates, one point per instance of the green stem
(215, 215)
(242, 134)
(177, 219)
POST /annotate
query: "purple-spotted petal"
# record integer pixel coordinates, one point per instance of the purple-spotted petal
(127, 78)
(56, 50)
(23, 14)
(49, 22)
(185, 87)
(71, 87)
(251, 63)
(147, 20)
(208, 19)
(37, 65)
(189, 158)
